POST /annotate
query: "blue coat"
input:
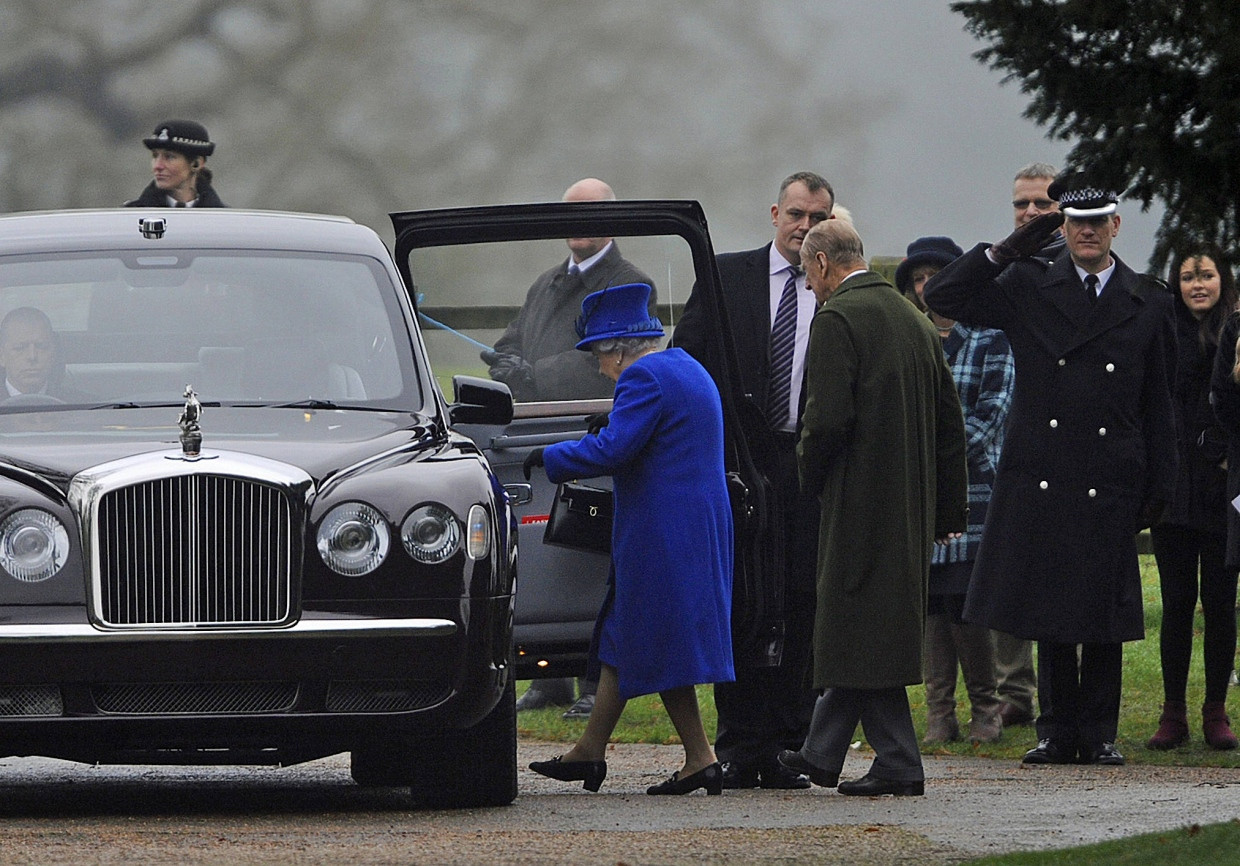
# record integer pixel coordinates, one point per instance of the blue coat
(670, 625)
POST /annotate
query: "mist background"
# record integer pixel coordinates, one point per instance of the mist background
(363, 107)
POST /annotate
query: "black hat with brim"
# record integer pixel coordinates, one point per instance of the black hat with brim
(1081, 200)
(183, 136)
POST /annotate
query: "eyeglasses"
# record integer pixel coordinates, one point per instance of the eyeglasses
(1039, 203)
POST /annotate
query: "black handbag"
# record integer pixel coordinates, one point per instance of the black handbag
(580, 517)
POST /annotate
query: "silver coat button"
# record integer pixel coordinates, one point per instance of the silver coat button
(1062, 362)
(1054, 423)
(1043, 485)
(1092, 493)
(1110, 367)
(1102, 431)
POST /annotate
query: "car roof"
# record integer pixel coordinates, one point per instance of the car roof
(193, 228)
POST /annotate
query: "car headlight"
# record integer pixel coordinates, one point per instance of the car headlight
(353, 539)
(33, 545)
(431, 534)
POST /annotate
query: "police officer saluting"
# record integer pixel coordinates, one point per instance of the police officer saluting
(1089, 457)
(179, 151)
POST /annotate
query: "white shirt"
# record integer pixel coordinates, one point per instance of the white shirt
(1103, 276)
(582, 267)
(806, 307)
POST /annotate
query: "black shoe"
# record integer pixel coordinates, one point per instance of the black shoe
(868, 786)
(590, 773)
(738, 776)
(1102, 753)
(581, 709)
(710, 778)
(796, 762)
(777, 777)
(1048, 751)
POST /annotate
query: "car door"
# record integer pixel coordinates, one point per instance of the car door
(484, 282)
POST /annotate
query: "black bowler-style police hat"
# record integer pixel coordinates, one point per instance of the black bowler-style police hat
(183, 136)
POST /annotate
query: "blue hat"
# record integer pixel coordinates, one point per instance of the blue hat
(939, 251)
(617, 311)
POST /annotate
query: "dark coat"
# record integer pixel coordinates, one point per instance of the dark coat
(1225, 395)
(1091, 437)
(543, 332)
(672, 540)
(153, 196)
(1200, 497)
(883, 447)
(745, 278)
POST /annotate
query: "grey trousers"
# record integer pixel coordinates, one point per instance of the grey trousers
(888, 725)
(1014, 672)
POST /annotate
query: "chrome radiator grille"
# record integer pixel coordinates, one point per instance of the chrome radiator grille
(194, 549)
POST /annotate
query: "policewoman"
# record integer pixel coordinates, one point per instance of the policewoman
(179, 151)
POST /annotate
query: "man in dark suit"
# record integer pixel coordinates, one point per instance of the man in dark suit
(1089, 458)
(768, 709)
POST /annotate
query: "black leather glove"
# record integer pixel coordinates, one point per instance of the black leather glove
(534, 458)
(1027, 239)
(595, 423)
(513, 370)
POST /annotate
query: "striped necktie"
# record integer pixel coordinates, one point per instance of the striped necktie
(783, 343)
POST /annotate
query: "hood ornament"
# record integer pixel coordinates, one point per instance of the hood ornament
(191, 432)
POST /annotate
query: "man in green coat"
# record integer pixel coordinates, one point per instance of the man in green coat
(883, 446)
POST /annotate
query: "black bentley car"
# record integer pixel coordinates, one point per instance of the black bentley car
(236, 523)
(240, 521)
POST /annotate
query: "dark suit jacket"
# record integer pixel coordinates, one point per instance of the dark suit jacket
(746, 297)
(1091, 436)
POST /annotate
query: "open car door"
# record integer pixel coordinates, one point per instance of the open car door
(469, 272)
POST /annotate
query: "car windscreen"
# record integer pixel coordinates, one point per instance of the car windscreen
(239, 327)
(506, 310)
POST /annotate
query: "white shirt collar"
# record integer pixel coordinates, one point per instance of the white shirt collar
(1103, 276)
(582, 267)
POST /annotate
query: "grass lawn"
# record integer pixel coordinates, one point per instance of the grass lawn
(1216, 844)
(644, 720)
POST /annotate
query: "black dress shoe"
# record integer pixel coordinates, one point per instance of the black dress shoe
(590, 773)
(1049, 751)
(797, 763)
(868, 786)
(1102, 753)
(709, 777)
(739, 776)
(779, 778)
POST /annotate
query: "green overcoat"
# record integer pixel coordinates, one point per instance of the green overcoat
(883, 446)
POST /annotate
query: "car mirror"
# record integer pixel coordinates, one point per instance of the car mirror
(479, 401)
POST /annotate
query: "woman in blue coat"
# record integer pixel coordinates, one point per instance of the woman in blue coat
(666, 625)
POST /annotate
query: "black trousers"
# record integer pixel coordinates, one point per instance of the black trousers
(769, 709)
(1182, 553)
(1084, 690)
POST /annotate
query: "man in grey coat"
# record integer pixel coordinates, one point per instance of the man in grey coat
(883, 447)
(1089, 458)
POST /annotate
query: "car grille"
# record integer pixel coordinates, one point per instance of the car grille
(196, 698)
(30, 701)
(380, 696)
(194, 549)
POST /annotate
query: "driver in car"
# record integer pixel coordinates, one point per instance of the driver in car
(30, 356)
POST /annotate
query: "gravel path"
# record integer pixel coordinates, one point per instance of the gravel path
(52, 812)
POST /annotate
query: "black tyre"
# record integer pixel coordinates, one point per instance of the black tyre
(456, 769)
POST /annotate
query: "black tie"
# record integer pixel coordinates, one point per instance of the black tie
(1091, 287)
(783, 342)
(180, 204)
